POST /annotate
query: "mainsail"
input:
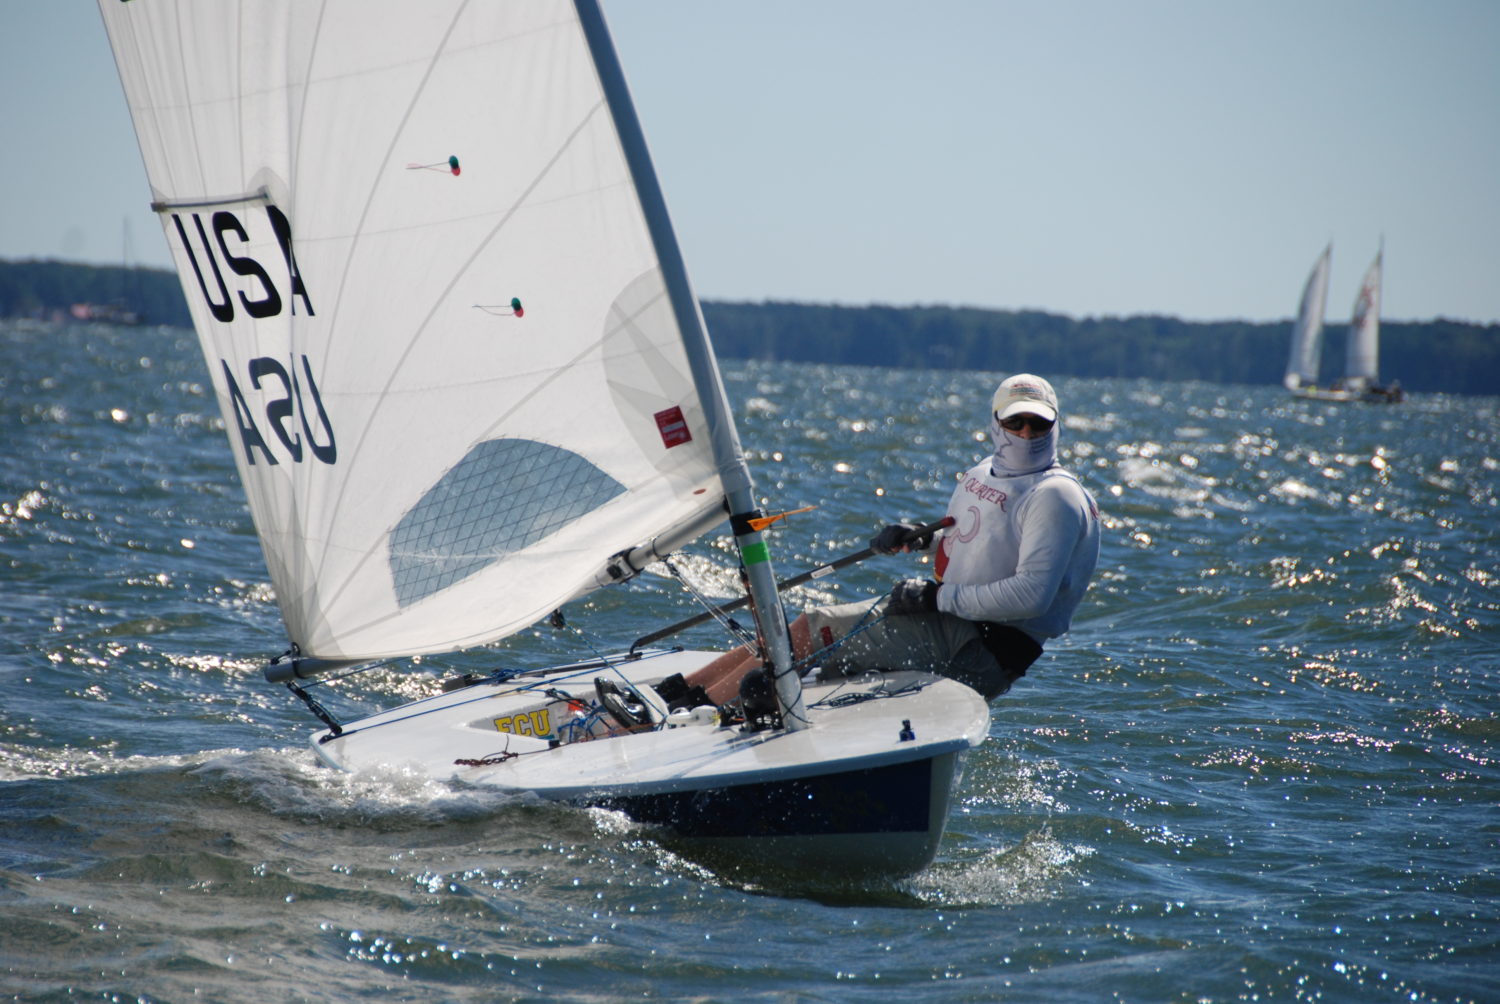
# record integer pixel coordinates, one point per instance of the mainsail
(1363, 362)
(451, 359)
(1307, 335)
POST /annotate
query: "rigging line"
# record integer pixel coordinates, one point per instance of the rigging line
(834, 699)
(543, 686)
(876, 693)
(614, 665)
(516, 689)
(422, 713)
(859, 628)
(324, 681)
(798, 666)
(729, 624)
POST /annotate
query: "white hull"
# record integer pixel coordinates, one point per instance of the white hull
(864, 790)
(1375, 395)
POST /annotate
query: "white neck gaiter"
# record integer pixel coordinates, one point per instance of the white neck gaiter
(1015, 456)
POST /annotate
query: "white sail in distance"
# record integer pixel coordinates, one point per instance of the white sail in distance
(1363, 362)
(431, 308)
(1307, 332)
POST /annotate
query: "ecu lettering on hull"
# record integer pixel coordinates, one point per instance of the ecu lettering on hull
(277, 406)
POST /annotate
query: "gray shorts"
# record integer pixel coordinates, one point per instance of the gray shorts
(931, 643)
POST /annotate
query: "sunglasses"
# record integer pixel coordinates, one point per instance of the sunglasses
(1016, 423)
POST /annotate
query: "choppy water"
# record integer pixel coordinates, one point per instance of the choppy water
(1263, 766)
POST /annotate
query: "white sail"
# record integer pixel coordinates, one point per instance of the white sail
(435, 318)
(1307, 334)
(1363, 362)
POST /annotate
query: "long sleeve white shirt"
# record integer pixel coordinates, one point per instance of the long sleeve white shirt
(1021, 551)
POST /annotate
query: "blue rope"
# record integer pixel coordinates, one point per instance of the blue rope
(859, 628)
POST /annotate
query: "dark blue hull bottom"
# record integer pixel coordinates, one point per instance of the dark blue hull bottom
(879, 820)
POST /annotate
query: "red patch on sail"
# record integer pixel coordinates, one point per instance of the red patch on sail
(673, 427)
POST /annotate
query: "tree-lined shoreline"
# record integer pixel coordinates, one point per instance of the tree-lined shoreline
(1437, 356)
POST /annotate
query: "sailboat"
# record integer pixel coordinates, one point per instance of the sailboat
(1362, 356)
(1362, 351)
(116, 312)
(1307, 332)
(466, 381)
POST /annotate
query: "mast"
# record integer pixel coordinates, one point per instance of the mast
(734, 473)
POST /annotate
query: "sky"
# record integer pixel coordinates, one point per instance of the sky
(1091, 158)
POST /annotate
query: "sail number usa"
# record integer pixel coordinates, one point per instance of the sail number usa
(287, 420)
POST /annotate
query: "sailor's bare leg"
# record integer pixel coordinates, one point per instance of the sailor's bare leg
(721, 678)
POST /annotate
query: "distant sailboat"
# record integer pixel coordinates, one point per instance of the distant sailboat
(1362, 354)
(1307, 336)
(118, 311)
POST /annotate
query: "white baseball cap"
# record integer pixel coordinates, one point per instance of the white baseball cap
(1025, 393)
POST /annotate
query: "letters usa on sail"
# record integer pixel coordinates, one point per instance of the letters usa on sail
(220, 250)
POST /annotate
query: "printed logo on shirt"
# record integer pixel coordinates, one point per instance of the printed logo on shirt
(961, 534)
(987, 493)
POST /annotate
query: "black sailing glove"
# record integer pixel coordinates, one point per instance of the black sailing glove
(913, 596)
(894, 538)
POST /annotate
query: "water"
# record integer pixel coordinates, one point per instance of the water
(1262, 766)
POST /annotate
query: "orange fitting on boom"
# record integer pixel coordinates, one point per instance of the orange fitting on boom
(762, 522)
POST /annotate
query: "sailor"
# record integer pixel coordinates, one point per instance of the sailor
(1009, 572)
